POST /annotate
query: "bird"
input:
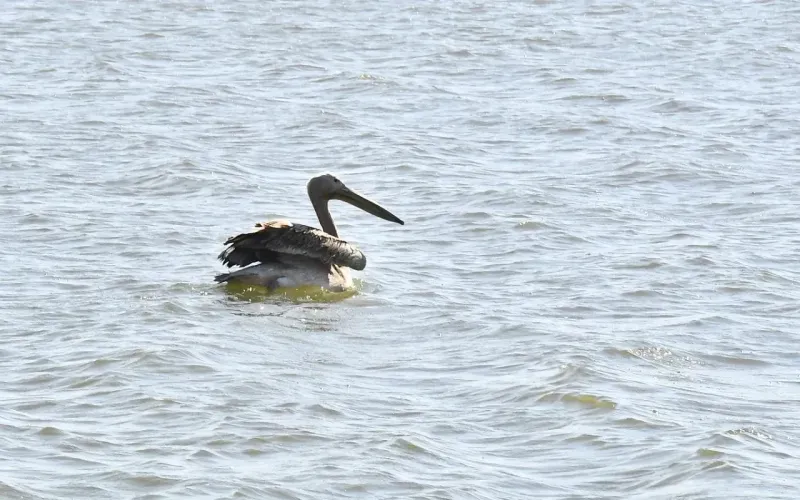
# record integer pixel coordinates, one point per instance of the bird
(291, 255)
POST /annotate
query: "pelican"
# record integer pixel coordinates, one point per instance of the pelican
(293, 255)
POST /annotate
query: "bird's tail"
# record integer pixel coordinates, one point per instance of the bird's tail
(222, 278)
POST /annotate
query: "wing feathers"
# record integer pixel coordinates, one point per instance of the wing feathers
(281, 237)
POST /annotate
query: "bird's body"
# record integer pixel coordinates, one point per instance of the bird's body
(292, 272)
(287, 255)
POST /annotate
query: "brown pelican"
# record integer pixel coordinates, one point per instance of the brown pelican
(292, 255)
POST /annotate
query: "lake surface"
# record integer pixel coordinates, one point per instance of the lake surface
(596, 293)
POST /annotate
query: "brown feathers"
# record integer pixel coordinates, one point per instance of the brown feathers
(282, 237)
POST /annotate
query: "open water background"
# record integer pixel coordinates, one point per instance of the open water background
(595, 295)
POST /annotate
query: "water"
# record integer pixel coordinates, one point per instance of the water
(595, 294)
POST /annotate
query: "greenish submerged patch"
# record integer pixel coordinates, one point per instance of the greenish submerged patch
(255, 293)
(588, 400)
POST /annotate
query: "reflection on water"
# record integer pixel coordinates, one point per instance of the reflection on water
(295, 295)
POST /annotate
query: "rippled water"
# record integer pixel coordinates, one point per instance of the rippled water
(595, 294)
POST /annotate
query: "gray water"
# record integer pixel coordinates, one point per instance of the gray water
(595, 294)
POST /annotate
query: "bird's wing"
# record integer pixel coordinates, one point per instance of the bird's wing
(281, 237)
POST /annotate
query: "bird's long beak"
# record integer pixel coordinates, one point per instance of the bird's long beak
(365, 204)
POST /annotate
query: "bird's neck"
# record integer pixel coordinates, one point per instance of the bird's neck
(324, 216)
